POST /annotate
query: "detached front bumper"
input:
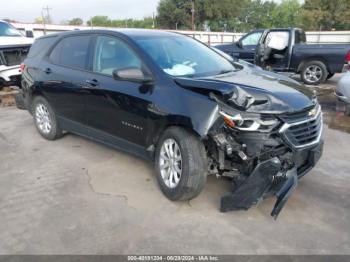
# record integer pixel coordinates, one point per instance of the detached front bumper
(267, 178)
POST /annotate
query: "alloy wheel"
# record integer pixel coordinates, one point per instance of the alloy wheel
(43, 118)
(170, 163)
(313, 73)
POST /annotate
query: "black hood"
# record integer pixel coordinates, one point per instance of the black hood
(254, 90)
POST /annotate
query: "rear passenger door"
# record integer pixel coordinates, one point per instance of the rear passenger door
(64, 74)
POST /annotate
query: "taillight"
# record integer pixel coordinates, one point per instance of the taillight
(347, 58)
(22, 67)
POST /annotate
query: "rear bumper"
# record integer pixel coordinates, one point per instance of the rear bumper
(268, 179)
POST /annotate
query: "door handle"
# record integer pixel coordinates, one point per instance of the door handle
(92, 82)
(48, 70)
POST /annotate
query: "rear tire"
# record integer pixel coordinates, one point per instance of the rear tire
(192, 176)
(45, 119)
(1, 84)
(314, 72)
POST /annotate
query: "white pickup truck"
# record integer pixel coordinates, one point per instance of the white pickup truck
(14, 48)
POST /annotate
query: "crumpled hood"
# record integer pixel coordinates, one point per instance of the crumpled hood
(255, 90)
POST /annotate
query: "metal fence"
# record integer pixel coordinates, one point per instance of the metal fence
(212, 38)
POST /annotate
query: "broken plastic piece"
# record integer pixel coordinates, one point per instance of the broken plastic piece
(253, 188)
(286, 191)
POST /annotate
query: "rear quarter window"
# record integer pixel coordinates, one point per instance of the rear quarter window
(40, 46)
(71, 51)
(300, 37)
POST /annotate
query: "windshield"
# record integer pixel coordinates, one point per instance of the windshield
(8, 30)
(184, 56)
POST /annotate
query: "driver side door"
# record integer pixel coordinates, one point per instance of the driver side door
(116, 110)
(248, 44)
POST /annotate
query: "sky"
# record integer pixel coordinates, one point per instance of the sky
(28, 10)
(61, 10)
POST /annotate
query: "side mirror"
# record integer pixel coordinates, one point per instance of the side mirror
(132, 74)
(239, 44)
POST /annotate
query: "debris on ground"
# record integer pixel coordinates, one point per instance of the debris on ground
(7, 96)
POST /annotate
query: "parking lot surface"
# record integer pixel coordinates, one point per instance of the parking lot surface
(74, 196)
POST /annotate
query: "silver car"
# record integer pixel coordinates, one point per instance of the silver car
(343, 88)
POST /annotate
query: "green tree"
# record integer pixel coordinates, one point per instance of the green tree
(326, 15)
(174, 14)
(38, 20)
(219, 16)
(287, 14)
(99, 20)
(76, 21)
(223, 15)
(256, 14)
(105, 21)
(146, 22)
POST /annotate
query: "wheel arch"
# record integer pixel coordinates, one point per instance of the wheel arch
(313, 58)
(182, 124)
(31, 93)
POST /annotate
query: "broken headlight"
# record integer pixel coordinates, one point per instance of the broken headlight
(249, 122)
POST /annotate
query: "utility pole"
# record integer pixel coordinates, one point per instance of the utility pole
(193, 11)
(154, 23)
(46, 18)
(47, 9)
(44, 23)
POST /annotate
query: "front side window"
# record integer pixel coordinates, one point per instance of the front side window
(252, 39)
(183, 56)
(71, 51)
(8, 30)
(113, 54)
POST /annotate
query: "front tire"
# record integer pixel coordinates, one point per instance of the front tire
(314, 72)
(45, 119)
(181, 164)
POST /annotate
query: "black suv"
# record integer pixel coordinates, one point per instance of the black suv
(169, 98)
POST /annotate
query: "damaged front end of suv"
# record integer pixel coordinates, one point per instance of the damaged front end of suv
(265, 139)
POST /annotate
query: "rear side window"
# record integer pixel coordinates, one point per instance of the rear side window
(40, 46)
(300, 37)
(71, 51)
